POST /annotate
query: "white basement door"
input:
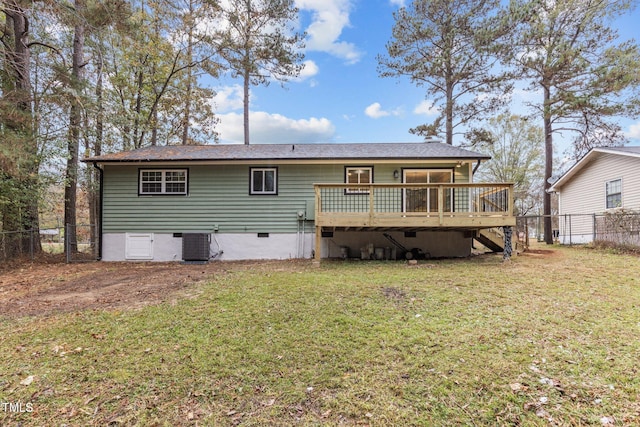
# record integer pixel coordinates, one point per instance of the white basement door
(139, 246)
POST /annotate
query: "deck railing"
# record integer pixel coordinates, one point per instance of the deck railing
(429, 205)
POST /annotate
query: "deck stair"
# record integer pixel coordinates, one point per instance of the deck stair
(493, 239)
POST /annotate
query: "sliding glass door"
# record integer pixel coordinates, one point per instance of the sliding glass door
(426, 200)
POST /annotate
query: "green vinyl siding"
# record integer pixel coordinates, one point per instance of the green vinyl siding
(219, 195)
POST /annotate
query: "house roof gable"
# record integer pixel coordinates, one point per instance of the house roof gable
(255, 152)
(592, 155)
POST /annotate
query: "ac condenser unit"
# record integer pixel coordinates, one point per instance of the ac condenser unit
(195, 246)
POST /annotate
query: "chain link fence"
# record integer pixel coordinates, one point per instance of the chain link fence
(85, 245)
(15, 244)
(616, 227)
(51, 241)
(621, 228)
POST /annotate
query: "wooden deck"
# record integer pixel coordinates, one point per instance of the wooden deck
(412, 207)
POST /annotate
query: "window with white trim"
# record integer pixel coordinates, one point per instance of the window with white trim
(264, 181)
(358, 175)
(163, 181)
(614, 193)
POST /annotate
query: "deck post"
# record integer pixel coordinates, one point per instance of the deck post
(371, 204)
(441, 204)
(318, 236)
(318, 242)
(506, 255)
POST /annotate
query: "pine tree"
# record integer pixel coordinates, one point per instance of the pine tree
(569, 51)
(448, 47)
(259, 44)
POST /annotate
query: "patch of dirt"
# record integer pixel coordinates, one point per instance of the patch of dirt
(51, 286)
(547, 252)
(394, 293)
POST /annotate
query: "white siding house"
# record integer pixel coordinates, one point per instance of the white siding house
(604, 180)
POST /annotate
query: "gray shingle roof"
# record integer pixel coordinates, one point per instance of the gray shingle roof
(226, 152)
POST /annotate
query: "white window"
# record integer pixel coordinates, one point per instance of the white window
(614, 193)
(358, 175)
(163, 181)
(264, 181)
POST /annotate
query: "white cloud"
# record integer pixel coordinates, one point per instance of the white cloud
(527, 95)
(634, 131)
(329, 18)
(375, 111)
(399, 3)
(266, 128)
(227, 98)
(427, 108)
(310, 70)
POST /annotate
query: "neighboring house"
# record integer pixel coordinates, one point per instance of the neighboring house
(282, 201)
(604, 180)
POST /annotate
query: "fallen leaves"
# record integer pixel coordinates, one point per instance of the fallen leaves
(548, 396)
(516, 387)
(554, 383)
(27, 381)
(268, 403)
(607, 421)
(60, 350)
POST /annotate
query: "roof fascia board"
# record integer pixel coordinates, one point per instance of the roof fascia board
(585, 160)
(282, 162)
(618, 152)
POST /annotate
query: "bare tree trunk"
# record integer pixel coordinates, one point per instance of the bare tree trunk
(548, 166)
(75, 121)
(449, 115)
(153, 116)
(154, 127)
(93, 175)
(186, 120)
(187, 111)
(246, 106)
(22, 215)
(247, 80)
(137, 141)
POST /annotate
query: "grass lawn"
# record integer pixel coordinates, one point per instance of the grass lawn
(547, 339)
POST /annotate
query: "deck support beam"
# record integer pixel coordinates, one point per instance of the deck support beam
(318, 243)
(506, 255)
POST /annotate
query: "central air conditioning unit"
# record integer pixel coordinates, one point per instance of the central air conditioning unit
(195, 246)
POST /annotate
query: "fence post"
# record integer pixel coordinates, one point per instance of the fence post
(594, 228)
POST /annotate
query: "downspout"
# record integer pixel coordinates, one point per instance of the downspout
(100, 203)
(476, 167)
(298, 239)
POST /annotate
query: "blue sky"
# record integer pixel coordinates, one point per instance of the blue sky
(339, 96)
